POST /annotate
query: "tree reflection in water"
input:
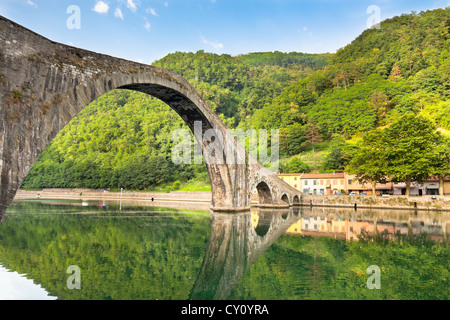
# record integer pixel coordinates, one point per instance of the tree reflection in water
(160, 253)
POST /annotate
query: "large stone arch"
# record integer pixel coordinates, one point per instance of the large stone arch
(44, 84)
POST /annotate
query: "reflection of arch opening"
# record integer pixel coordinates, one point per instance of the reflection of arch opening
(296, 199)
(264, 194)
(285, 199)
(264, 221)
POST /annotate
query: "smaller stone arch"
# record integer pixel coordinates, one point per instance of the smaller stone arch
(264, 193)
(296, 200)
(285, 199)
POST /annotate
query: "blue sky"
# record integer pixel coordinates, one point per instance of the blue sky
(147, 30)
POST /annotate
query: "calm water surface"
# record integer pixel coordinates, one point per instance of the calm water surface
(133, 252)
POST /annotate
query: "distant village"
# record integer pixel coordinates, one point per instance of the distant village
(341, 183)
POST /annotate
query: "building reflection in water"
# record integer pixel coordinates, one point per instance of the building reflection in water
(344, 224)
(238, 240)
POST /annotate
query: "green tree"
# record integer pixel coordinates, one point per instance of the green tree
(369, 160)
(312, 135)
(295, 138)
(441, 161)
(296, 165)
(340, 155)
(409, 145)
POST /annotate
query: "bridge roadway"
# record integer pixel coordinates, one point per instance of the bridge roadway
(44, 84)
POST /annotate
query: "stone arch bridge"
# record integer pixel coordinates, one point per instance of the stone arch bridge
(44, 84)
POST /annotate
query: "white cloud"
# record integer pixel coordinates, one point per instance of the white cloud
(118, 14)
(152, 12)
(166, 4)
(31, 3)
(147, 26)
(131, 5)
(215, 45)
(101, 7)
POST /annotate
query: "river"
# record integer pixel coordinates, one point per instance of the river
(99, 250)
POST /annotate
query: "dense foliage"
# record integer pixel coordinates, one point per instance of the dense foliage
(124, 138)
(410, 149)
(383, 74)
(141, 256)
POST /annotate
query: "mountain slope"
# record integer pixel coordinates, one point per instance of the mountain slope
(124, 138)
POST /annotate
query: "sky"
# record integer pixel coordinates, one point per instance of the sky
(18, 287)
(147, 30)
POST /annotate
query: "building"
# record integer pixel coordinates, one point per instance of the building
(447, 187)
(353, 185)
(340, 182)
(429, 187)
(292, 179)
(323, 183)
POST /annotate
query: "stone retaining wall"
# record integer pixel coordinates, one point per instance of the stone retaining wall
(87, 194)
(440, 203)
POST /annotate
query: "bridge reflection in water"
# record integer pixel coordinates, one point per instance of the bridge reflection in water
(208, 255)
(236, 241)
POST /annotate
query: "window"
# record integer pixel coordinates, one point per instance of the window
(314, 182)
(295, 178)
(328, 182)
(321, 182)
(295, 186)
(349, 181)
(306, 182)
(334, 182)
(342, 182)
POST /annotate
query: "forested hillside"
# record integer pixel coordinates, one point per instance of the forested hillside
(124, 138)
(318, 102)
(404, 67)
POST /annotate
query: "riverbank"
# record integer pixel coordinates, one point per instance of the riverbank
(183, 200)
(203, 199)
(89, 194)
